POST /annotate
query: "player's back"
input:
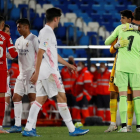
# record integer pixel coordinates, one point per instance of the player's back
(129, 57)
(5, 41)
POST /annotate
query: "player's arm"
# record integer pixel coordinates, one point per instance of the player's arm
(10, 47)
(113, 36)
(129, 26)
(112, 49)
(9, 56)
(62, 61)
(37, 67)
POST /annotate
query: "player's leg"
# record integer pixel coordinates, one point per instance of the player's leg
(41, 97)
(130, 110)
(32, 97)
(19, 91)
(135, 86)
(3, 89)
(65, 114)
(113, 111)
(7, 102)
(121, 80)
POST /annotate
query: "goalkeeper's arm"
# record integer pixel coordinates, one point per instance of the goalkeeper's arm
(129, 26)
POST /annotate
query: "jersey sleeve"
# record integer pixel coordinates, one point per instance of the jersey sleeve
(35, 44)
(9, 43)
(45, 41)
(113, 36)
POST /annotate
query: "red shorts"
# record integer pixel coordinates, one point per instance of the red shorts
(3, 81)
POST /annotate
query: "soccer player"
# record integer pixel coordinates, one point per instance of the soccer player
(5, 41)
(49, 82)
(27, 47)
(128, 69)
(126, 17)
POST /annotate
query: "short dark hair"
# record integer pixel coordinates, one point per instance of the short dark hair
(137, 13)
(1, 19)
(127, 13)
(24, 21)
(51, 13)
(6, 26)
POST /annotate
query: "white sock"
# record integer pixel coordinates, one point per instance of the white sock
(113, 123)
(18, 112)
(6, 106)
(65, 114)
(34, 110)
(34, 125)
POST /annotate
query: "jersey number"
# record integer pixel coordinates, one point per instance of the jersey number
(130, 38)
(1, 52)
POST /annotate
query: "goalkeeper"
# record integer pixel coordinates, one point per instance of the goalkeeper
(126, 16)
(128, 68)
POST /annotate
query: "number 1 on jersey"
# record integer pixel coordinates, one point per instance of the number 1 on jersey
(130, 38)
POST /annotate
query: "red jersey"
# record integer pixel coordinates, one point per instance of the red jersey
(5, 41)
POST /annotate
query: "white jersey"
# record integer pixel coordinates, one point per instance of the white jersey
(48, 43)
(27, 49)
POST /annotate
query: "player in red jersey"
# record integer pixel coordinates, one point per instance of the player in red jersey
(5, 42)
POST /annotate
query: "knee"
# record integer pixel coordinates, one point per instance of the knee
(61, 98)
(31, 98)
(16, 98)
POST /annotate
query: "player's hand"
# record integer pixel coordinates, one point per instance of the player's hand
(72, 68)
(34, 78)
(121, 43)
(129, 26)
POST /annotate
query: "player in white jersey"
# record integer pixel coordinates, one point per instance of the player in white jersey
(49, 82)
(27, 47)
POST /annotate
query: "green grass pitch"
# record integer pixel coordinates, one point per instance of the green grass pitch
(61, 133)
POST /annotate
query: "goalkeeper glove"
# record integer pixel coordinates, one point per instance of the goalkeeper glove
(121, 43)
(129, 26)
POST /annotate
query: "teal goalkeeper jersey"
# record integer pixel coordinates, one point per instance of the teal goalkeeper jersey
(128, 57)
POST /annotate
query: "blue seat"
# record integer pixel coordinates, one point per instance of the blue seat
(55, 2)
(81, 53)
(15, 14)
(11, 23)
(79, 34)
(67, 52)
(108, 26)
(1, 4)
(20, 6)
(106, 53)
(35, 32)
(17, 34)
(66, 24)
(96, 17)
(97, 7)
(120, 7)
(84, 40)
(87, 20)
(109, 7)
(131, 7)
(38, 23)
(115, 24)
(59, 42)
(61, 32)
(85, 7)
(10, 5)
(63, 7)
(72, 7)
(117, 17)
(107, 17)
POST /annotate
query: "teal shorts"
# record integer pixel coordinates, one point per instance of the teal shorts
(123, 79)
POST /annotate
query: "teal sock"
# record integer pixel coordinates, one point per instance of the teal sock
(123, 108)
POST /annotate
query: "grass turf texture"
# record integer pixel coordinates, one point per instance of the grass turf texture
(61, 133)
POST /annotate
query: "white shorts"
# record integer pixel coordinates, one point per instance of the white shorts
(50, 86)
(8, 93)
(23, 84)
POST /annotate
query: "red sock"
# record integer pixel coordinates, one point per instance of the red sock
(2, 109)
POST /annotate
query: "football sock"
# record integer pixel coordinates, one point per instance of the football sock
(137, 109)
(6, 106)
(34, 125)
(2, 109)
(123, 108)
(130, 111)
(33, 113)
(18, 112)
(65, 114)
(113, 110)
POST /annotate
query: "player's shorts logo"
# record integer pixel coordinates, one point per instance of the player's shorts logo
(45, 44)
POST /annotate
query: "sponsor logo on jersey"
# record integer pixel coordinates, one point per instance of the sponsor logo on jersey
(11, 41)
(32, 87)
(1, 42)
(27, 45)
(45, 44)
(2, 37)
